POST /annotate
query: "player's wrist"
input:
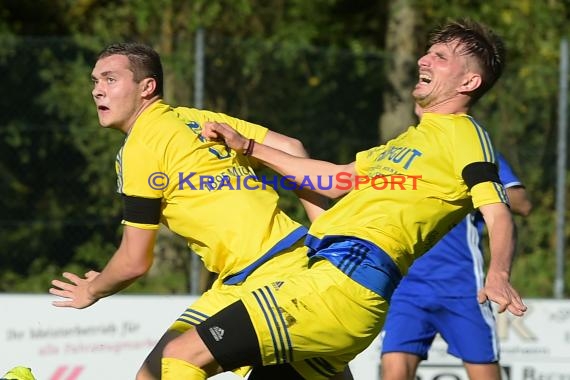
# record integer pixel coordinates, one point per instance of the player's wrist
(248, 147)
(92, 294)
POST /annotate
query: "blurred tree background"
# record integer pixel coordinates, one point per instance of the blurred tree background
(335, 73)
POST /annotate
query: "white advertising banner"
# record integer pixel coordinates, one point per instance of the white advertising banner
(110, 339)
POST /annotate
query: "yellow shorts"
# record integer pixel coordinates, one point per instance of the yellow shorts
(291, 261)
(318, 320)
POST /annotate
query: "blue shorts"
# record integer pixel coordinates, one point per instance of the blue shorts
(468, 327)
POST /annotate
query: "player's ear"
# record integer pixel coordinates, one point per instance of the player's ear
(471, 82)
(148, 86)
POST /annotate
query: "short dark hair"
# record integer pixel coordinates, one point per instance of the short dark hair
(144, 60)
(479, 42)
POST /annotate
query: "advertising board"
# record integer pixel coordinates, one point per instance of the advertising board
(111, 339)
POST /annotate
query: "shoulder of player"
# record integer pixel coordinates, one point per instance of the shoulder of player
(188, 114)
(155, 131)
(462, 127)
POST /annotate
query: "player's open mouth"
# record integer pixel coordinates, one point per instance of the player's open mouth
(425, 79)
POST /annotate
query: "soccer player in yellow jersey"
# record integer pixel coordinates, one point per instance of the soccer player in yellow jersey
(405, 196)
(201, 190)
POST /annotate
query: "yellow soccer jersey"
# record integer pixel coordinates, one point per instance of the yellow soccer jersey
(423, 194)
(206, 193)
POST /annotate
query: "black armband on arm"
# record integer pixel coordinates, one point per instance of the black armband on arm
(478, 172)
(141, 210)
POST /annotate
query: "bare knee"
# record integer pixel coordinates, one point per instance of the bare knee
(150, 369)
(190, 348)
(399, 366)
(490, 371)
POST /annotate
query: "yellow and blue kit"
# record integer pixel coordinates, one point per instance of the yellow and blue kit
(318, 320)
(169, 173)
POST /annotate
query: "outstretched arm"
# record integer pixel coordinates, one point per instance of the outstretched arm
(501, 231)
(131, 261)
(298, 168)
(313, 203)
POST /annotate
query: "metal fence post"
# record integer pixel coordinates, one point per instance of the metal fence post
(196, 264)
(561, 171)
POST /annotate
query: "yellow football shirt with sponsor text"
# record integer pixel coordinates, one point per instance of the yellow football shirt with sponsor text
(209, 193)
(429, 195)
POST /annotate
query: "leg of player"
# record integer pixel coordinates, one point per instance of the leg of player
(399, 366)
(231, 335)
(187, 357)
(150, 369)
(490, 371)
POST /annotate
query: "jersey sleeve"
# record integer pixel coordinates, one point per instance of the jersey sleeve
(140, 181)
(507, 174)
(475, 162)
